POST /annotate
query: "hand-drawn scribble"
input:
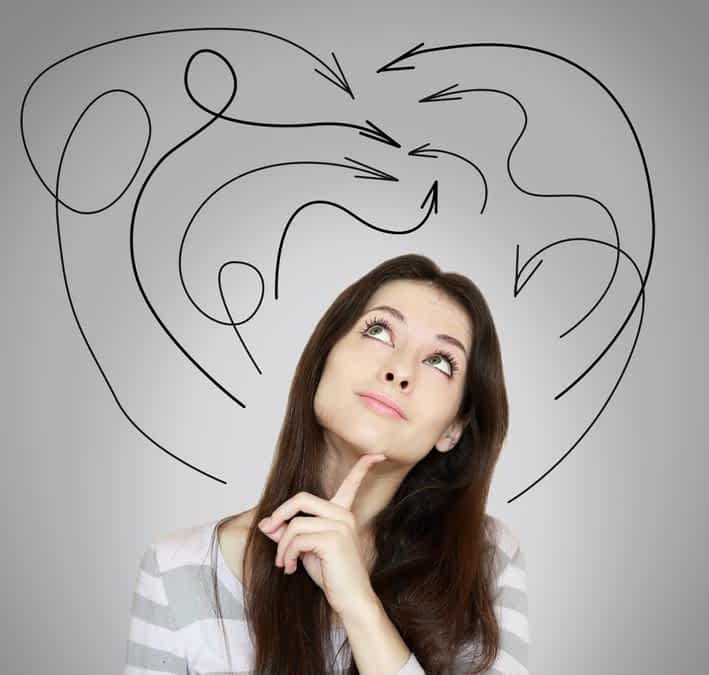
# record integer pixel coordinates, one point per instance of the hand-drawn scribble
(143, 176)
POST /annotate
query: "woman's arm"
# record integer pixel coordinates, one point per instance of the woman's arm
(376, 644)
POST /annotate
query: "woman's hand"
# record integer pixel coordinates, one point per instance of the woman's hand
(327, 541)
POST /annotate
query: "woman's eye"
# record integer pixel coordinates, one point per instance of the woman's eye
(372, 327)
(443, 360)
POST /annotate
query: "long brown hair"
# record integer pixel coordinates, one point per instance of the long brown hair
(434, 543)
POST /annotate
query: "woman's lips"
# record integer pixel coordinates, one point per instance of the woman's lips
(381, 408)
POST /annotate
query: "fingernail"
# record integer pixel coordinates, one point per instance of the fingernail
(263, 525)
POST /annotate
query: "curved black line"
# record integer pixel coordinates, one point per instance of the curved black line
(622, 372)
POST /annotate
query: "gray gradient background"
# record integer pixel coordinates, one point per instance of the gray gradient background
(614, 536)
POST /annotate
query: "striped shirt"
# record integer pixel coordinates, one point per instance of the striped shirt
(173, 627)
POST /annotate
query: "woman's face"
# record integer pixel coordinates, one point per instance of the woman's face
(425, 384)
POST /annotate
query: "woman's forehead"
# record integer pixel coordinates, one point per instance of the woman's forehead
(420, 302)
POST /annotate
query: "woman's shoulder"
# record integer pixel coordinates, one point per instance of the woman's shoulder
(182, 572)
(193, 545)
(183, 546)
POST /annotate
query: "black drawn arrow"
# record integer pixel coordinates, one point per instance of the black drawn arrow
(371, 131)
(431, 199)
(622, 372)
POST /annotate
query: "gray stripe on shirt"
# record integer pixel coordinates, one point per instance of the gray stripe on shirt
(142, 656)
(152, 612)
(180, 585)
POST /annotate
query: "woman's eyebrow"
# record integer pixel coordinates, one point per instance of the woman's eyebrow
(398, 315)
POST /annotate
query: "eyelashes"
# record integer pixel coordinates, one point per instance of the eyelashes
(385, 324)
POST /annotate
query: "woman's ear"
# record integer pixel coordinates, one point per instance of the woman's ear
(452, 434)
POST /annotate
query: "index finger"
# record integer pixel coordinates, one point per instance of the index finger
(348, 489)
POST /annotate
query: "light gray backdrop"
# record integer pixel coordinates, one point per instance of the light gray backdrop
(614, 534)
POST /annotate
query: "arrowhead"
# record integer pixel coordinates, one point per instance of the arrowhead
(442, 95)
(374, 173)
(378, 135)
(390, 66)
(418, 152)
(337, 78)
(517, 290)
(433, 195)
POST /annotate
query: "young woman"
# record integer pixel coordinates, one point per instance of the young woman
(379, 557)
